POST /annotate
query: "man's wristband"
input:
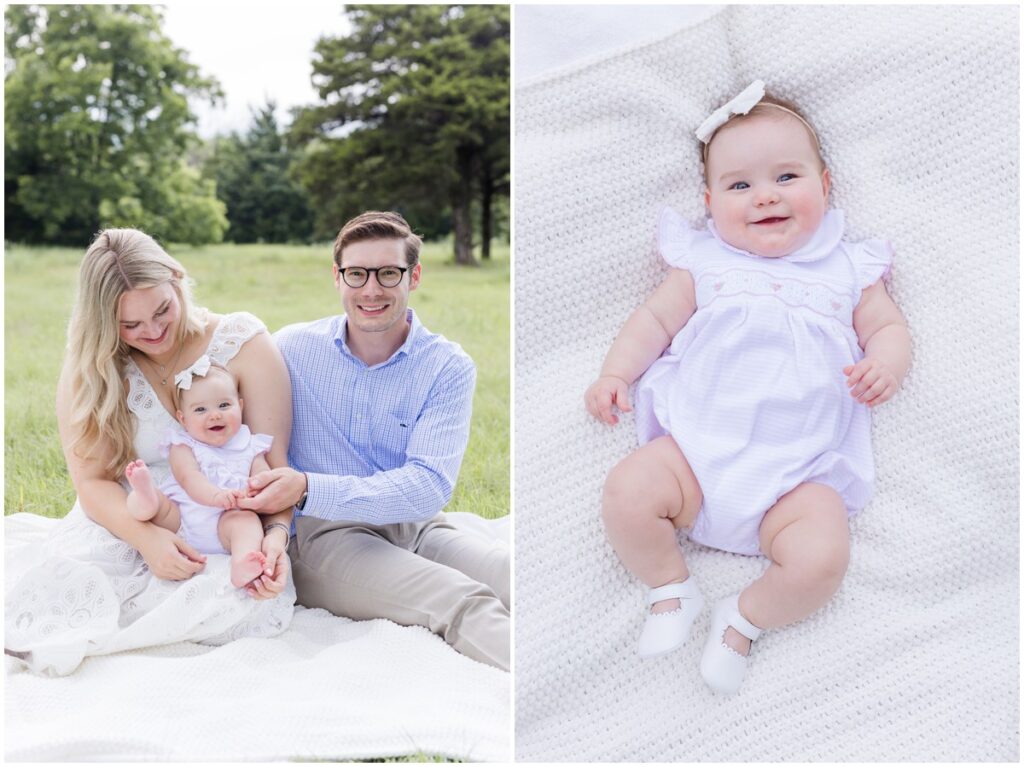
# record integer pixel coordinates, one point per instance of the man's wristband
(301, 503)
(282, 525)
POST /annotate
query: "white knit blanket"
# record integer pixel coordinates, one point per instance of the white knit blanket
(916, 657)
(326, 689)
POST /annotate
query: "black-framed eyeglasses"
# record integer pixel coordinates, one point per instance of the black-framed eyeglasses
(387, 276)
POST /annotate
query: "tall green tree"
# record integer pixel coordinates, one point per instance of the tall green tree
(97, 125)
(415, 112)
(251, 171)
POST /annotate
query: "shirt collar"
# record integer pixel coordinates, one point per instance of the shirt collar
(239, 441)
(414, 331)
(821, 244)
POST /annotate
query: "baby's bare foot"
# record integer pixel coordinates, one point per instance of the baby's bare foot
(736, 641)
(143, 500)
(245, 568)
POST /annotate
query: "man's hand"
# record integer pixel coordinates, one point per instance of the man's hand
(273, 490)
(603, 393)
(871, 382)
(169, 557)
(275, 573)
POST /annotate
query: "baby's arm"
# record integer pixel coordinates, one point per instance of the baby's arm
(882, 333)
(646, 334)
(201, 490)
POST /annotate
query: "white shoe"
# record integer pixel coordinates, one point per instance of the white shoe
(664, 632)
(721, 666)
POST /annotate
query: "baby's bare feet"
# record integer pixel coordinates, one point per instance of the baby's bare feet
(247, 567)
(143, 500)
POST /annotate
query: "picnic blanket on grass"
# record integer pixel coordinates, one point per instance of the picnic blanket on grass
(916, 657)
(327, 689)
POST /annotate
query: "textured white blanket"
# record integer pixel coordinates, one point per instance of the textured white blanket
(326, 689)
(916, 657)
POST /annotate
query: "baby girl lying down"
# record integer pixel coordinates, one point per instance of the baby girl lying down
(758, 359)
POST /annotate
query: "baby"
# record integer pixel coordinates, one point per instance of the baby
(759, 357)
(210, 466)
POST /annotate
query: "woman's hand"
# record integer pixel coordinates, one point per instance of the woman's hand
(275, 574)
(603, 393)
(168, 556)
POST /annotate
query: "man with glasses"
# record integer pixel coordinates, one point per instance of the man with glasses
(381, 411)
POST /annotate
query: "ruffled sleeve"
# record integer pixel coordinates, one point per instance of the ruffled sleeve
(175, 437)
(231, 333)
(674, 239)
(260, 443)
(871, 260)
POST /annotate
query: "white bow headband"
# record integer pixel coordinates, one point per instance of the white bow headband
(199, 368)
(741, 104)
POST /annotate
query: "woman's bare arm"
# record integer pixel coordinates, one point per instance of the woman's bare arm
(264, 385)
(266, 391)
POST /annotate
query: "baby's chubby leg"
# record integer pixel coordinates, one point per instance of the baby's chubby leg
(807, 537)
(145, 502)
(241, 533)
(647, 496)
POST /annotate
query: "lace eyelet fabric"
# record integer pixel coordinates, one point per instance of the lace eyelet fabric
(89, 593)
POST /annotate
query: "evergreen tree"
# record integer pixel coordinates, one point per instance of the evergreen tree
(414, 116)
(252, 175)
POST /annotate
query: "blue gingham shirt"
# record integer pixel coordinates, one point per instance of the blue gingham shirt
(379, 443)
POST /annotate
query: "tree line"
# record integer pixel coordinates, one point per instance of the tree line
(413, 115)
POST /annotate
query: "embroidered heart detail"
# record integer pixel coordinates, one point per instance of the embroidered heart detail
(776, 287)
(718, 285)
(835, 304)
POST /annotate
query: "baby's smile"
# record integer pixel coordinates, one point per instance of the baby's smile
(767, 191)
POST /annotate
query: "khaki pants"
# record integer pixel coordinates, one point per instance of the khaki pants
(416, 574)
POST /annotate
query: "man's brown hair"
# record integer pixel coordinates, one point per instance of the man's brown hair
(378, 225)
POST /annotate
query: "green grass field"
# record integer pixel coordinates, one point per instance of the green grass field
(280, 284)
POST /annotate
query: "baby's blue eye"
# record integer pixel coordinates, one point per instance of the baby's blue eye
(225, 404)
(739, 185)
(200, 409)
(787, 176)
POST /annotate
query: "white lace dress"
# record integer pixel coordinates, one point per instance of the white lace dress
(86, 592)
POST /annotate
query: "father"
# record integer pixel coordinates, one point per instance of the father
(381, 413)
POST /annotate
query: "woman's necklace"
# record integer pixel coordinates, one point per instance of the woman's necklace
(163, 373)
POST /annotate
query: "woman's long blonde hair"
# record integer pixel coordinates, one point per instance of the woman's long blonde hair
(118, 260)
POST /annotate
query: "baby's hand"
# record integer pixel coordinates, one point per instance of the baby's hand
(603, 393)
(227, 499)
(871, 382)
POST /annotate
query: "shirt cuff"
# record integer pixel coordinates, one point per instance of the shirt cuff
(316, 491)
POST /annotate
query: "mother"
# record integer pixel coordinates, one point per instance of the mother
(105, 580)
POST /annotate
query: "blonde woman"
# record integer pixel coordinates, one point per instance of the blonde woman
(133, 327)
